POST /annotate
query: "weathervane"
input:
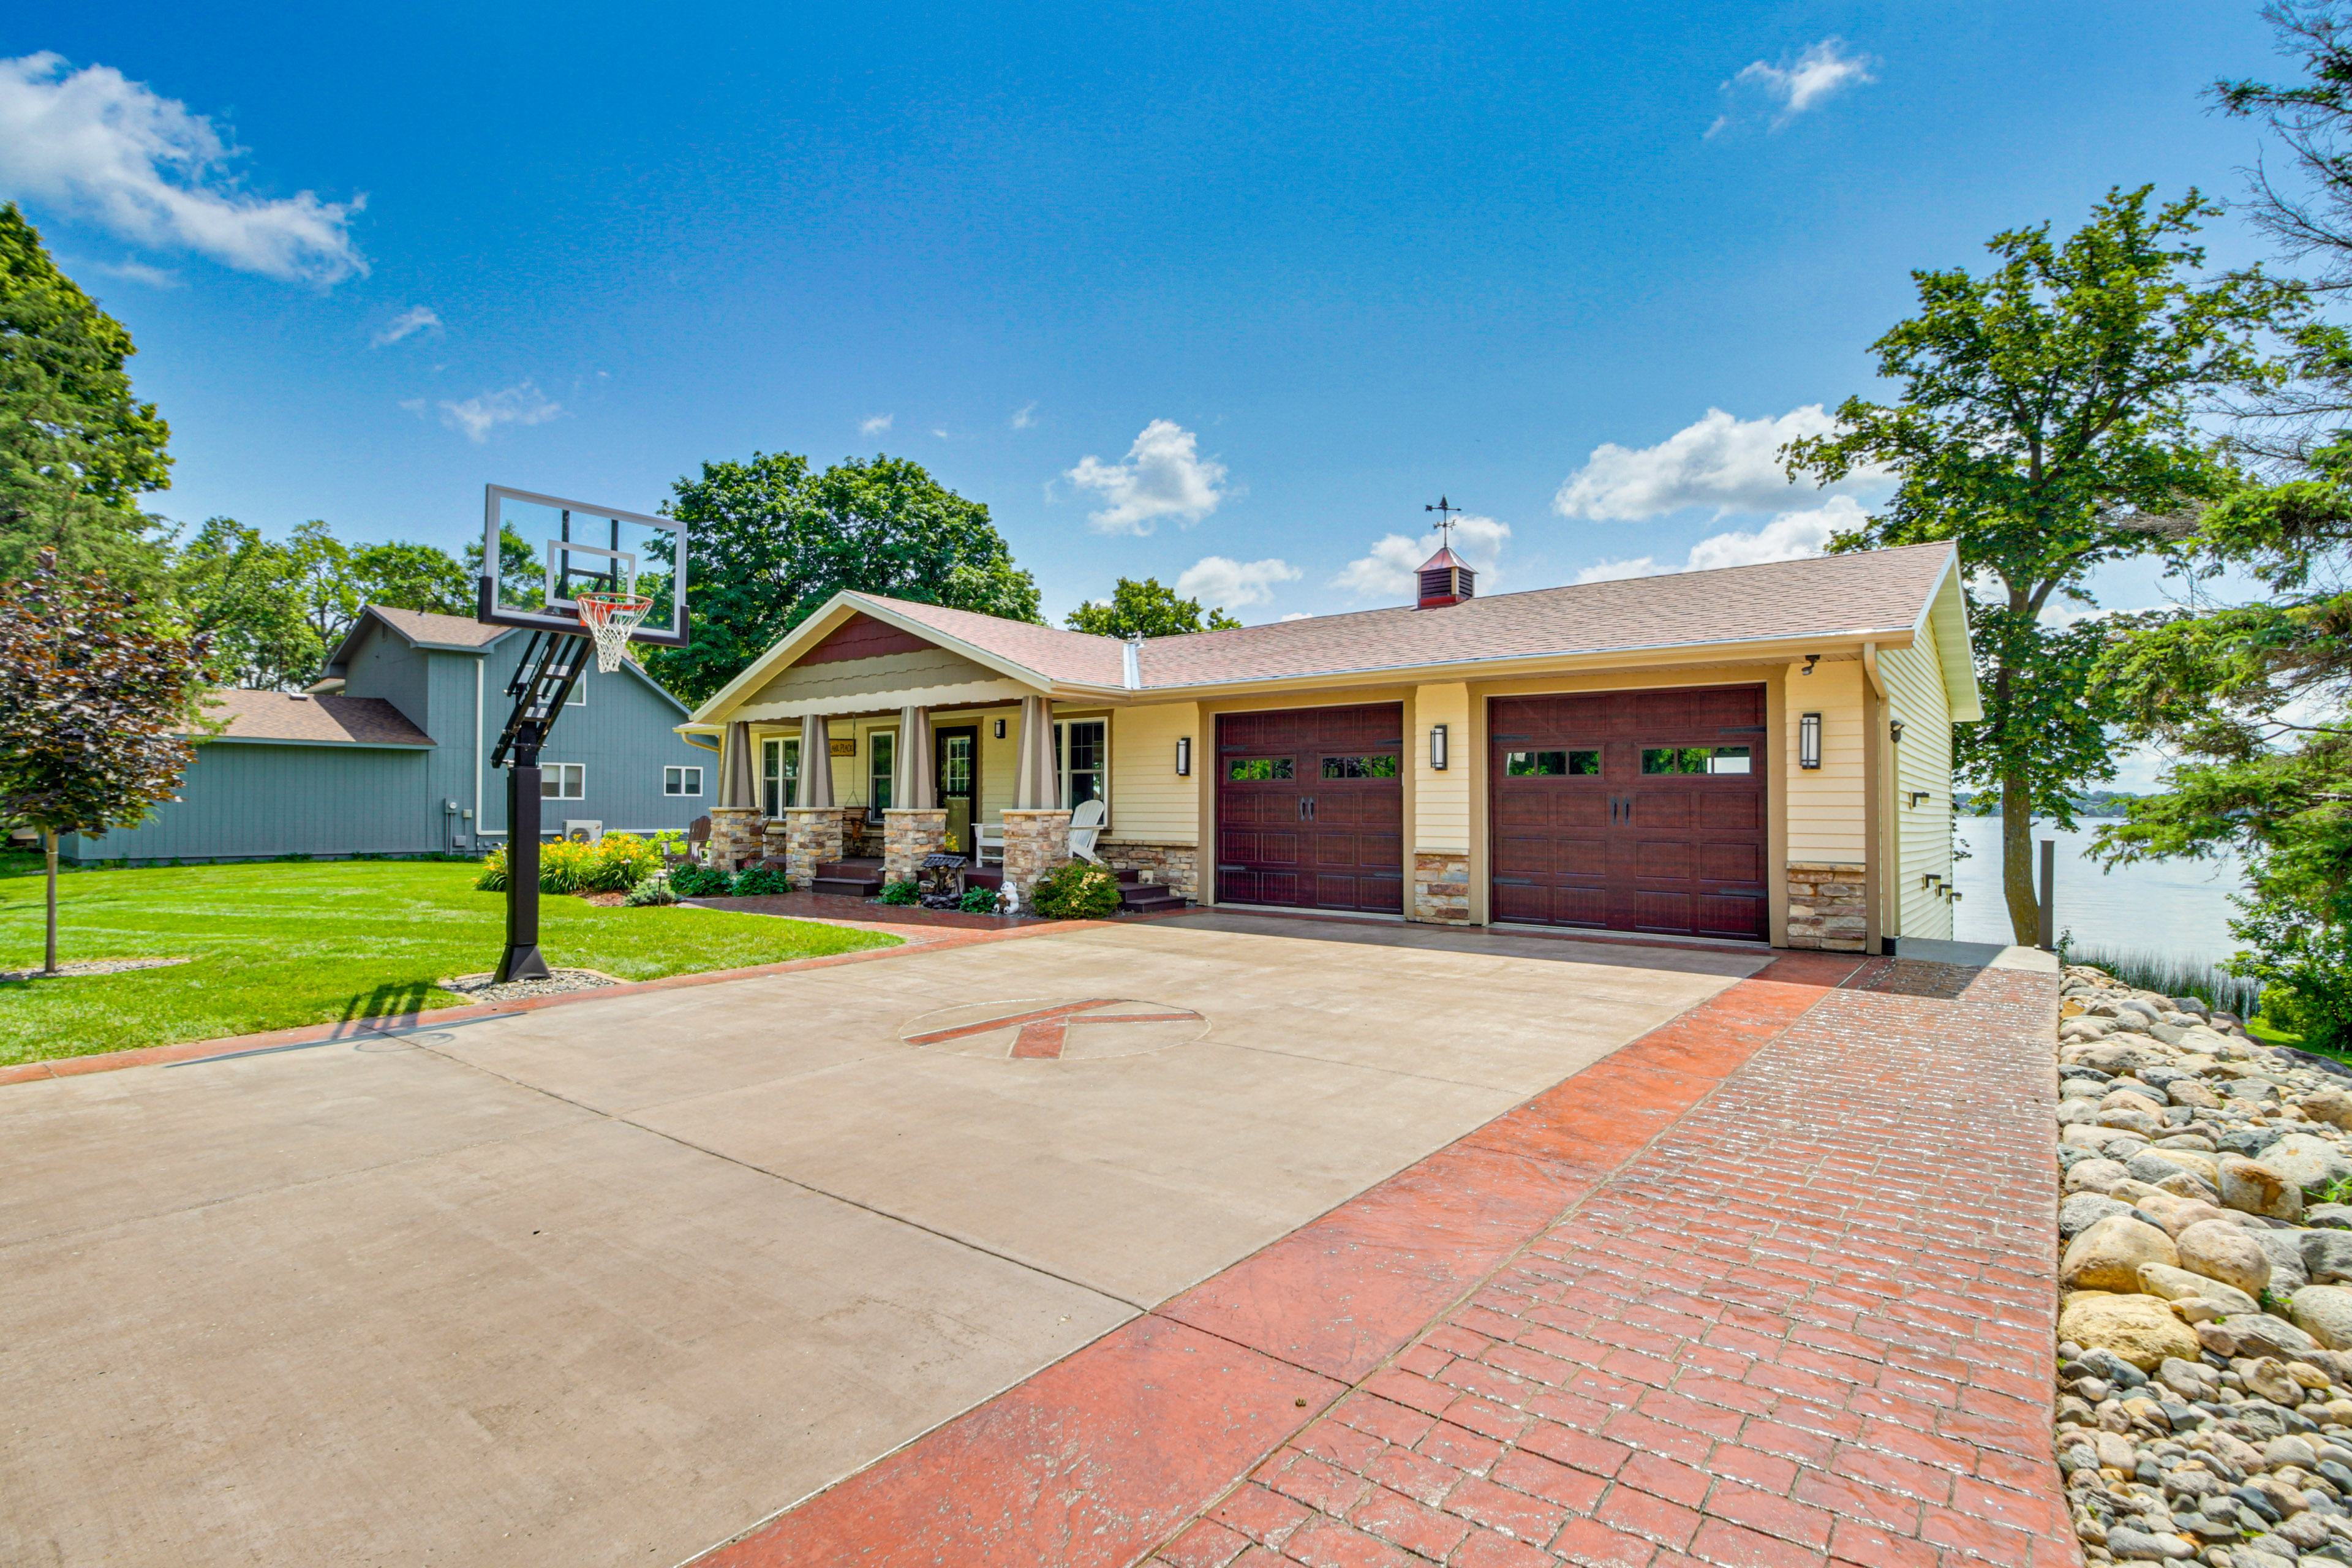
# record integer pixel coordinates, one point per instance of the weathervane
(1445, 523)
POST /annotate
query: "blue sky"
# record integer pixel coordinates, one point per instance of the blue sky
(1224, 290)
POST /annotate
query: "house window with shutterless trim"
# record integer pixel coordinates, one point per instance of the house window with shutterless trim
(780, 774)
(682, 781)
(1082, 760)
(563, 781)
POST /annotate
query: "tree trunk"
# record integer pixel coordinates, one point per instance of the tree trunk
(50, 848)
(2017, 859)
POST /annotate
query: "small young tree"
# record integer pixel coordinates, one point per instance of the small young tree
(1147, 607)
(95, 698)
(2047, 422)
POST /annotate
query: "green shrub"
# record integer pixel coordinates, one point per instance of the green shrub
(653, 890)
(1077, 891)
(757, 881)
(901, 893)
(698, 882)
(618, 862)
(564, 865)
(493, 877)
(978, 902)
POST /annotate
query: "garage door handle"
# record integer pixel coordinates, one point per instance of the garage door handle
(1305, 808)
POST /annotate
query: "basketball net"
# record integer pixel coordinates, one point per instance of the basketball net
(610, 618)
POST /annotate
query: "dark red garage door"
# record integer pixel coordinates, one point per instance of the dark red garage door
(1632, 810)
(1310, 808)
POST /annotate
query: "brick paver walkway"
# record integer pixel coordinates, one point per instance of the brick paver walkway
(1771, 1286)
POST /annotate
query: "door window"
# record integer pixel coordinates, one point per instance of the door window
(1257, 770)
(1551, 765)
(956, 771)
(1374, 766)
(1694, 758)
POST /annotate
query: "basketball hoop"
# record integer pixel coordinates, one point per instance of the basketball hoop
(610, 618)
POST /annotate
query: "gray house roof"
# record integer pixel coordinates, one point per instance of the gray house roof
(452, 634)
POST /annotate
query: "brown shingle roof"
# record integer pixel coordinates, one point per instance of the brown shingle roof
(327, 720)
(423, 625)
(1829, 596)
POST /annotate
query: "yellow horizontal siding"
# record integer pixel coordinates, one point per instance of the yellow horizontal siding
(1923, 762)
(1150, 803)
(1826, 806)
(1441, 801)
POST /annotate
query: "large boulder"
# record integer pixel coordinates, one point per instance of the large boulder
(2325, 1312)
(2176, 1214)
(2081, 1210)
(2179, 1285)
(2107, 1255)
(2326, 1255)
(2131, 1118)
(2332, 1106)
(2222, 1251)
(2153, 1165)
(2189, 1093)
(2094, 1175)
(2107, 1056)
(2140, 1329)
(2284, 1249)
(2306, 1160)
(2253, 1187)
(2259, 1334)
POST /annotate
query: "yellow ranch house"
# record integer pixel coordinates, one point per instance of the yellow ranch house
(1753, 754)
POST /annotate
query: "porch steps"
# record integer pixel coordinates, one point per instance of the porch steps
(857, 877)
(1139, 896)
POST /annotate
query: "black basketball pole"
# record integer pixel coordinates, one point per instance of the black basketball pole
(523, 960)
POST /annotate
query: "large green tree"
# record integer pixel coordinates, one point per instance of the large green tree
(769, 541)
(2047, 421)
(275, 608)
(1147, 607)
(76, 449)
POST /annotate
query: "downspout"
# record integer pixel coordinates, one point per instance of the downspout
(482, 660)
(1869, 667)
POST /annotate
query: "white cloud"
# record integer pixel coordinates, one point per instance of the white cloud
(1024, 416)
(1299, 615)
(407, 324)
(1732, 465)
(138, 272)
(1224, 583)
(1790, 536)
(875, 423)
(1820, 72)
(1388, 573)
(141, 166)
(1164, 476)
(522, 404)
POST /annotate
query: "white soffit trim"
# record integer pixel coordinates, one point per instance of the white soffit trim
(878, 701)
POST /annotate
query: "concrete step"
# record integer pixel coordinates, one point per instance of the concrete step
(851, 887)
(980, 877)
(1147, 899)
(855, 867)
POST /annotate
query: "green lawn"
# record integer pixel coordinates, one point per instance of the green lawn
(278, 943)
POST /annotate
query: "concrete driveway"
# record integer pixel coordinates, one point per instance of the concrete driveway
(613, 1282)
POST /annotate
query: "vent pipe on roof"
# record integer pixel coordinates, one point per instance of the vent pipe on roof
(1131, 661)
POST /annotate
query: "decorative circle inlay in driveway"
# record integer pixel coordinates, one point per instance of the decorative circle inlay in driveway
(1086, 1028)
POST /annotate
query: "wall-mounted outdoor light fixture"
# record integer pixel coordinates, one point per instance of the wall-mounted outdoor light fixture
(1894, 731)
(1919, 794)
(1437, 747)
(1183, 756)
(1809, 740)
(1000, 729)
(1810, 660)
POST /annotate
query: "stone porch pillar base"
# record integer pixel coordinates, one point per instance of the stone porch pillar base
(812, 836)
(735, 837)
(907, 836)
(1035, 842)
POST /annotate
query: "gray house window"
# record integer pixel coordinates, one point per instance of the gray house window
(681, 781)
(563, 781)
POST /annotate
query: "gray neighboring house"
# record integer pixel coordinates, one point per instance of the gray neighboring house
(389, 755)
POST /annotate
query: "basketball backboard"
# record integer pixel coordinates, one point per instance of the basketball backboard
(540, 553)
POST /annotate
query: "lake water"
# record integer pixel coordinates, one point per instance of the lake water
(2178, 907)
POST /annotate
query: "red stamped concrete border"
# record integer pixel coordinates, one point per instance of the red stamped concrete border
(1111, 1452)
(919, 940)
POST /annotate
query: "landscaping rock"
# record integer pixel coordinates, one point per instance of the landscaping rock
(2140, 1329)
(2325, 1312)
(2284, 1249)
(2080, 1210)
(2255, 1188)
(2094, 1176)
(2258, 1335)
(2220, 1250)
(2107, 1255)
(2175, 1214)
(2178, 1285)
(2332, 1106)
(2307, 1161)
(2326, 1255)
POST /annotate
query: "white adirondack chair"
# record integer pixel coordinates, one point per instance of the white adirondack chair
(987, 844)
(1086, 826)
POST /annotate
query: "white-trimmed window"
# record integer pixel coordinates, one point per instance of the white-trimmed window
(563, 781)
(1082, 759)
(682, 781)
(779, 773)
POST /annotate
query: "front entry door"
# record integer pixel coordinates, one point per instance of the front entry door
(1632, 810)
(955, 763)
(1310, 808)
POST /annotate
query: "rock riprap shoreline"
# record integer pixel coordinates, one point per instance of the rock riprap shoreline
(2204, 1405)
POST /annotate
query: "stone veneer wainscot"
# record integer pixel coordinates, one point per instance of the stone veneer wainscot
(1175, 866)
(1441, 888)
(909, 835)
(1827, 907)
